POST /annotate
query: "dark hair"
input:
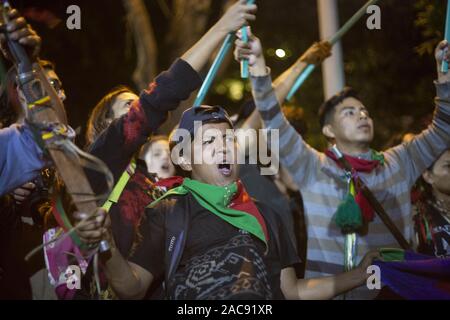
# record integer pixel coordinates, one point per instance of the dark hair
(45, 64)
(326, 110)
(423, 187)
(9, 100)
(98, 119)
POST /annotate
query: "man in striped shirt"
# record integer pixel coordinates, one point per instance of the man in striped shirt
(323, 183)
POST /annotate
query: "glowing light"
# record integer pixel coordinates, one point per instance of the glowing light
(236, 92)
(280, 53)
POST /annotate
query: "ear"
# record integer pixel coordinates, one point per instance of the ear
(328, 131)
(428, 177)
(184, 164)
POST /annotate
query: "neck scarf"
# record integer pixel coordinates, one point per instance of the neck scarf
(355, 209)
(230, 203)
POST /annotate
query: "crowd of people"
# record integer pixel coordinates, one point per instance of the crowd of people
(197, 224)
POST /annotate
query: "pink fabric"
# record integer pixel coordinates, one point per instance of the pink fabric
(57, 261)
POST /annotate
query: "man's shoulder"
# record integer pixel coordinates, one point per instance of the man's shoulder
(168, 204)
(14, 129)
(270, 214)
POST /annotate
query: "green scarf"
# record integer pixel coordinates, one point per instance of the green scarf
(216, 199)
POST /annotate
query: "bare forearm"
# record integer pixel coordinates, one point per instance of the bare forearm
(198, 55)
(330, 287)
(286, 80)
(122, 278)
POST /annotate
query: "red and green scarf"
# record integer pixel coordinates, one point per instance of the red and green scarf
(231, 203)
(355, 209)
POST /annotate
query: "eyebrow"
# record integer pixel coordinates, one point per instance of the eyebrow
(353, 107)
(347, 108)
(214, 136)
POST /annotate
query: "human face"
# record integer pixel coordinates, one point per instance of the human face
(216, 146)
(157, 159)
(439, 176)
(56, 83)
(351, 124)
(122, 104)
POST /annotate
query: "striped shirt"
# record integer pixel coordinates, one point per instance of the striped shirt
(324, 187)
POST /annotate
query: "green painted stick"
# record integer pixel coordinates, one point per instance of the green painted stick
(227, 43)
(444, 67)
(244, 62)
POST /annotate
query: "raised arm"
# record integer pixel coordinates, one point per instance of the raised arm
(124, 137)
(423, 150)
(296, 156)
(315, 54)
(20, 157)
(234, 18)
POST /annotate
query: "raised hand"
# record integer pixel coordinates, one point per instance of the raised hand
(317, 53)
(18, 30)
(441, 54)
(23, 192)
(238, 15)
(95, 229)
(252, 50)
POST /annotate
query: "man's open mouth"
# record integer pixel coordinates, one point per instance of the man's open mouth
(225, 169)
(165, 167)
(364, 126)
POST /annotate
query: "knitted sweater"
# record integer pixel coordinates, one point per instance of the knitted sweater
(323, 187)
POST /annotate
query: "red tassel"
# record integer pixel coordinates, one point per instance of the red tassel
(366, 209)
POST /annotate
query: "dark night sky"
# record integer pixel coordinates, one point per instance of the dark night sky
(381, 64)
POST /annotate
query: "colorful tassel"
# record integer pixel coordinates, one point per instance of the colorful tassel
(348, 215)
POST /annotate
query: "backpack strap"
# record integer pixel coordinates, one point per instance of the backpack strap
(176, 215)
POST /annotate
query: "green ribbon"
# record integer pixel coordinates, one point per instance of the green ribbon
(120, 186)
(216, 199)
(67, 224)
(378, 156)
(392, 254)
